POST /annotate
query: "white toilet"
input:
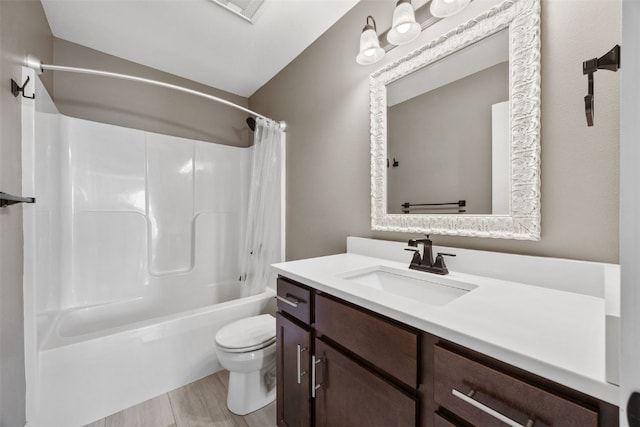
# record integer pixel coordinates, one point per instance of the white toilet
(247, 349)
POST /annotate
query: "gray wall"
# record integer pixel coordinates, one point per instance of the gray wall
(142, 106)
(442, 140)
(324, 97)
(23, 30)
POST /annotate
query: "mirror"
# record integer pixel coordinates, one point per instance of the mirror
(447, 134)
(455, 131)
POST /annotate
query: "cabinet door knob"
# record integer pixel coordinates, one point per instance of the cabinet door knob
(487, 410)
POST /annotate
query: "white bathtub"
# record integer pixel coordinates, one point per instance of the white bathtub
(101, 359)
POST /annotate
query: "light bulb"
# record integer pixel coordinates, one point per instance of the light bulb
(403, 28)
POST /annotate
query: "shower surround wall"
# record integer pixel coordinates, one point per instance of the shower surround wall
(134, 257)
(172, 205)
(140, 213)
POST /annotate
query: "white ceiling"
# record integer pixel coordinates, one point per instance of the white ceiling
(198, 39)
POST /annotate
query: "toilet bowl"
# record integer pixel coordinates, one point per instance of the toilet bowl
(247, 349)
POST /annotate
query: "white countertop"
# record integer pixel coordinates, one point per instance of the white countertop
(555, 334)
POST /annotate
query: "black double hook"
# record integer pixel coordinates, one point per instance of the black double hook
(16, 89)
(609, 61)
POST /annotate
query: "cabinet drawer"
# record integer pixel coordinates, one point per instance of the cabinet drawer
(441, 421)
(388, 346)
(294, 300)
(472, 391)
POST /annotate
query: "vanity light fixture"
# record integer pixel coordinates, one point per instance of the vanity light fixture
(445, 8)
(404, 28)
(370, 50)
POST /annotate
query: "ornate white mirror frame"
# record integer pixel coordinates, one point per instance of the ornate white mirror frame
(522, 17)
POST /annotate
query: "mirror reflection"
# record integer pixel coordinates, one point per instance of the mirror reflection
(448, 134)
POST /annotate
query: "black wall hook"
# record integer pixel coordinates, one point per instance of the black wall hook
(609, 61)
(16, 89)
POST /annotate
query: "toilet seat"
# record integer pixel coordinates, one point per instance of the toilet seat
(247, 349)
(248, 334)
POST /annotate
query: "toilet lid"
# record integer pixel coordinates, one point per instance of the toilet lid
(248, 334)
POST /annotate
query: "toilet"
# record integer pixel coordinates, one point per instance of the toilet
(247, 349)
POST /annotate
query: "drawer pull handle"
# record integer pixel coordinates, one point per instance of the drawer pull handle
(288, 299)
(300, 373)
(468, 398)
(314, 387)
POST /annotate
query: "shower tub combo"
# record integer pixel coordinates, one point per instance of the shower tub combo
(132, 263)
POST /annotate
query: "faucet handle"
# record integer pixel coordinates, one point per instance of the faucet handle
(444, 254)
(439, 262)
(417, 259)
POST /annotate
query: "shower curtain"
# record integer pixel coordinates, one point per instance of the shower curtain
(261, 246)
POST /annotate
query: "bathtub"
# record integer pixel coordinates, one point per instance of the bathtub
(101, 359)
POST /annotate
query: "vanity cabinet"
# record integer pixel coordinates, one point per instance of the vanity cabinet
(360, 369)
(342, 365)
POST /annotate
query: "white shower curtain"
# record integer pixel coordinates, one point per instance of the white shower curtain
(262, 241)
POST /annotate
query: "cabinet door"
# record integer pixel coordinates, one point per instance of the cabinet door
(293, 358)
(348, 395)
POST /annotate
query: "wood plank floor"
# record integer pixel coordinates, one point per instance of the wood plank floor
(200, 404)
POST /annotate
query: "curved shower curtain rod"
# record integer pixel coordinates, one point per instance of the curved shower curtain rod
(36, 64)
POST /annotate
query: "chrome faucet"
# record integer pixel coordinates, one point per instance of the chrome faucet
(426, 261)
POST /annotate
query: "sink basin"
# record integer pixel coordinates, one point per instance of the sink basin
(417, 286)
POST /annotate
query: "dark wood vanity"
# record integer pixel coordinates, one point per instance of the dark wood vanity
(342, 365)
